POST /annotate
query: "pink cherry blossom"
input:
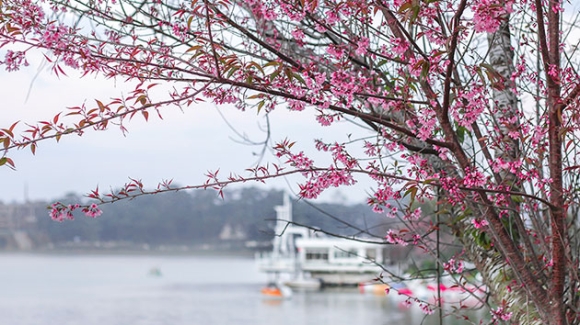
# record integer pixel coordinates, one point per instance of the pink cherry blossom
(479, 223)
(92, 211)
(500, 314)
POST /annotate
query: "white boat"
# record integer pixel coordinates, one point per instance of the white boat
(307, 260)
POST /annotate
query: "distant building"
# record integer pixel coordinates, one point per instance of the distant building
(230, 233)
(17, 223)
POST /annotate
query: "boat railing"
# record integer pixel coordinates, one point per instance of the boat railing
(271, 262)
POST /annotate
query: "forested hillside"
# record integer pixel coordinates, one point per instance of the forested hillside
(199, 217)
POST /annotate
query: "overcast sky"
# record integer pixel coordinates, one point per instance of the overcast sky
(183, 146)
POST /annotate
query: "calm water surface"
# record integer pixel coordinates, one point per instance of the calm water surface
(111, 290)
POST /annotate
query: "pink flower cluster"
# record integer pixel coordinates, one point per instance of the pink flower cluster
(222, 96)
(92, 211)
(342, 82)
(260, 9)
(298, 36)
(340, 155)
(473, 177)
(371, 149)
(55, 37)
(381, 197)
(426, 309)
(453, 266)
(500, 314)
(179, 30)
(335, 51)
(29, 15)
(321, 146)
(331, 17)
(415, 215)
(292, 12)
(449, 184)
(427, 123)
(362, 46)
(513, 167)
(60, 212)
(488, 14)
(300, 161)
(326, 119)
(394, 238)
(296, 105)
(13, 60)
(400, 46)
(479, 223)
(317, 184)
(471, 104)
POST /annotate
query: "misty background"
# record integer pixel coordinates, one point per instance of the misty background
(181, 221)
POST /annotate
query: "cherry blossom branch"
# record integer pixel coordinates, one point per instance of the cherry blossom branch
(136, 188)
(83, 124)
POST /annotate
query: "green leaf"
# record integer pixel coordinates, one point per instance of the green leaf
(274, 74)
(258, 95)
(272, 63)
(257, 66)
(425, 69)
(232, 70)
(406, 6)
(289, 74)
(416, 9)
(189, 20)
(102, 108)
(413, 192)
(482, 240)
(517, 198)
(481, 76)
(260, 105)
(194, 48)
(299, 78)
(381, 63)
(461, 134)
(8, 161)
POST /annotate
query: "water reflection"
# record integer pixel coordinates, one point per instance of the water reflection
(97, 290)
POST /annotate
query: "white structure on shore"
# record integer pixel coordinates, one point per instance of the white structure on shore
(310, 259)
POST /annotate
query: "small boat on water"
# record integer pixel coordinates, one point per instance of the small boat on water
(377, 289)
(274, 290)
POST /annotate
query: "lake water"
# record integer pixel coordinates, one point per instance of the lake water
(120, 290)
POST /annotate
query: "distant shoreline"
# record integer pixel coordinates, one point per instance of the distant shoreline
(132, 251)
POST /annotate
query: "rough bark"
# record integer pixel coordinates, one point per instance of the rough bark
(505, 110)
(549, 46)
